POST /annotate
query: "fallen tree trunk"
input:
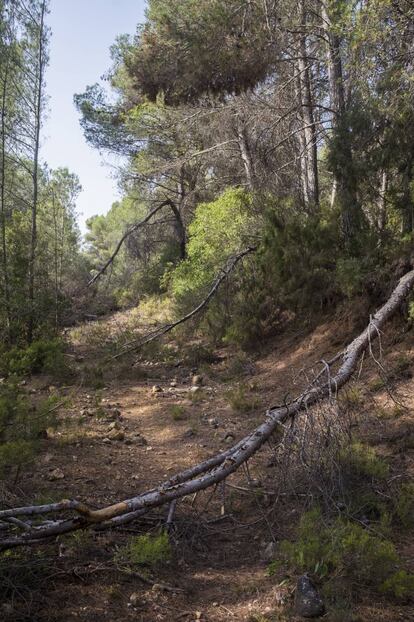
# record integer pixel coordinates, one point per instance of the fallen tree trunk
(210, 472)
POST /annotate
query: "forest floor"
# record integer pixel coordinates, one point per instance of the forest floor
(218, 570)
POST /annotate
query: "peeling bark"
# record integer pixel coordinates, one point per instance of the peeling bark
(210, 472)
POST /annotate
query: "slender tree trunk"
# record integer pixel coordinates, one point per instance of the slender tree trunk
(301, 140)
(4, 252)
(307, 116)
(382, 203)
(38, 118)
(245, 153)
(345, 182)
(180, 229)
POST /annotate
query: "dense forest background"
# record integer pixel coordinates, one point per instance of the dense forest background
(267, 180)
(284, 126)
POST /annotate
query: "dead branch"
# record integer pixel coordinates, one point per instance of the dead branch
(212, 471)
(129, 232)
(166, 328)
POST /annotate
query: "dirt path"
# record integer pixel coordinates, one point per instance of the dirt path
(218, 570)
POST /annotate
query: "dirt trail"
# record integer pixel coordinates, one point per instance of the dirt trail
(218, 568)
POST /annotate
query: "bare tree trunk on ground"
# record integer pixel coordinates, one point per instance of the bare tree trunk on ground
(16, 530)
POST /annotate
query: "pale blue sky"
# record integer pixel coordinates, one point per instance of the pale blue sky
(82, 33)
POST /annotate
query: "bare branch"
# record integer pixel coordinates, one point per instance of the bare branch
(218, 468)
(126, 235)
(166, 328)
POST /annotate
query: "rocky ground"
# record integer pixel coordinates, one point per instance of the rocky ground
(137, 430)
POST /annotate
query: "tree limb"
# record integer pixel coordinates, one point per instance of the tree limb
(214, 470)
(166, 328)
(132, 230)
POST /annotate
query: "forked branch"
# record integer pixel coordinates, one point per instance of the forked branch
(205, 474)
(132, 230)
(166, 328)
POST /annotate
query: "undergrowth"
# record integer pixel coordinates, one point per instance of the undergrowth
(22, 425)
(40, 357)
(145, 550)
(340, 548)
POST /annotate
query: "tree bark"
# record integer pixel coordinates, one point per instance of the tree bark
(38, 122)
(245, 153)
(6, 285)
(212, 471)
(345, 185)
(305, 100)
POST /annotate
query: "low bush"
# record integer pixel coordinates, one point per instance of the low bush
(22, 425)
(362, 461)
(177, 412)
(40, 357)
(241, 401)
(145, 550)
(341, 548)
(404, 505)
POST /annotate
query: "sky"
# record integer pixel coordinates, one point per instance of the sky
(82, 33)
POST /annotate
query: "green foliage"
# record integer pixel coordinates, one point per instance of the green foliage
(177, 412)
(404, 505)
(297, 258)
(240, 400)
(350, 397)
(399, 585)
(362, 461)
(343, 548)
(191, 47)
(146, 550)
(21, 426)
(218, 231)
(40, 357)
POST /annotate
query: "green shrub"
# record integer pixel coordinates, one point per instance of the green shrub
(240, 401)
(343, 548)
(177, 412)
(219, 229)
(21, 426)
(404, 505)
(361, 460)
(399, 585)
(40, 357)
(350, 397)
(351, 275)
(146, 550)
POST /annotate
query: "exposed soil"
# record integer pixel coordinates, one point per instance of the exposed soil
(217, 571)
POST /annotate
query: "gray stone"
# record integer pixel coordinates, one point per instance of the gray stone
(116, 435)
(188, 433)
(195, 389)
(86, 412)
(115, 425)
(56, 474)
(135, 600)
(229, 438)
(139, 440)
(308, 603)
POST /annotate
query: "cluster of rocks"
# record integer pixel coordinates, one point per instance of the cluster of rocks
(197, 383)
(117, 432)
